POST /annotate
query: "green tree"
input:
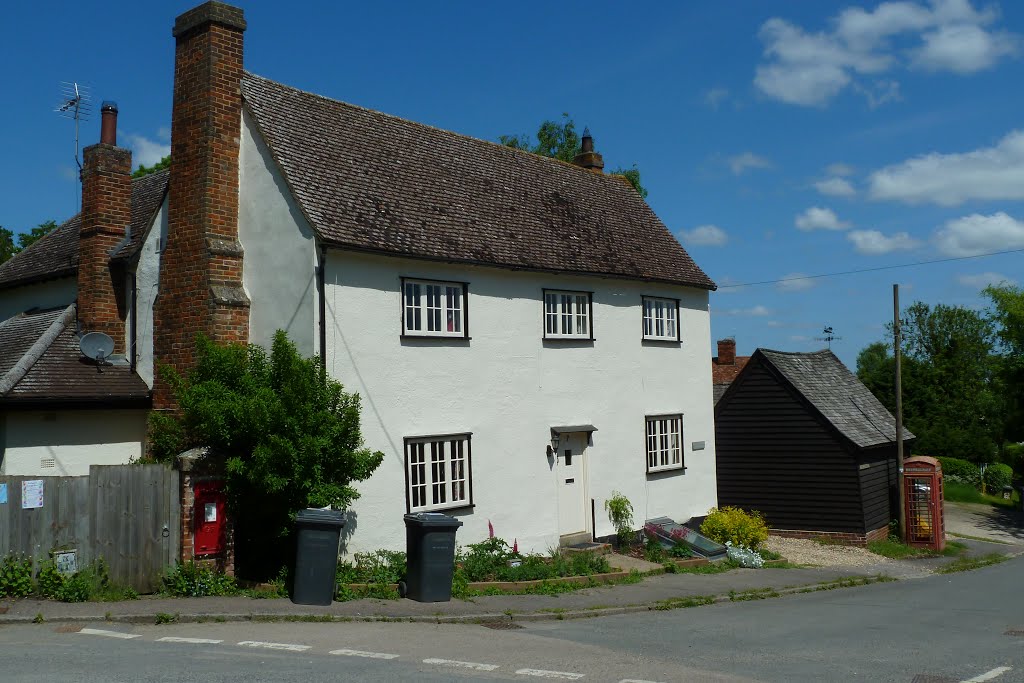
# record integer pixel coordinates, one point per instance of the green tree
(7, 246)
(1007, 313)
(287, 434)
(27, 239)
(559, 140)
(158, 166)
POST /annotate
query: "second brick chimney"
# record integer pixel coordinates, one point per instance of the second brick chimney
(588, 158)
(726, 352)
(201, 267)
(106, 215)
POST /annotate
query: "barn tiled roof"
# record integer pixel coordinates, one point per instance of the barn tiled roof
(837, 394)
(372, 182)
(40, 363)
(56, 254)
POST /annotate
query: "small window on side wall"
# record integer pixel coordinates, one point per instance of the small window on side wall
(661, 319)
(664, 443)
(438, 472)
(431, 308)
(567, 315)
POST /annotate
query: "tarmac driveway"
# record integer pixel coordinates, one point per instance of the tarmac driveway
(985, 521)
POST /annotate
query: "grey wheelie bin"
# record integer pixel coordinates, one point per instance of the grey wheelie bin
(318, 533)
(430, 552)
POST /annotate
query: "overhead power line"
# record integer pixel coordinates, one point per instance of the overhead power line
(869, 270)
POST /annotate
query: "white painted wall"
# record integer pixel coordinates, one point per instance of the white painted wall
(147, 286)
(508, 388)
(49, 294)
(279, 271)
(74, 439)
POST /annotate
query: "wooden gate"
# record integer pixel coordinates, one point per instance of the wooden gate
(128, 515)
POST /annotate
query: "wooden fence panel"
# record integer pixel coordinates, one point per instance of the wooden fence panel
(128, 515)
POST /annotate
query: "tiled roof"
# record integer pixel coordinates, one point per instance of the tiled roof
(372, 182)
(56, 254)
(838, 395)
(723, 374)
(40, 363)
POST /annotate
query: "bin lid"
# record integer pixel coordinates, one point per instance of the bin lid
(432, 519)
(313, 516)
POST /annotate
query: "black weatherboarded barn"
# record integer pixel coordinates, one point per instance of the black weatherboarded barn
(799, 438)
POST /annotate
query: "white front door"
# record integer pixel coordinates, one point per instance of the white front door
(570, 479)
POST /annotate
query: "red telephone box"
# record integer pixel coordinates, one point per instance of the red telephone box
(922, 487)
(208, 519)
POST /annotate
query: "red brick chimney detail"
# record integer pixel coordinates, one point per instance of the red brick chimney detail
(726, 351)
(106, 215)
(201, 267)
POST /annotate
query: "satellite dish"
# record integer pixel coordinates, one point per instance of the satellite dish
(96, 346)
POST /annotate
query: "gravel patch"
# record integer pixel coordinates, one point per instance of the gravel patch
(804, 551)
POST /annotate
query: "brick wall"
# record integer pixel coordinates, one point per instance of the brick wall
(201, 267)
(106, 215)
(841, 538)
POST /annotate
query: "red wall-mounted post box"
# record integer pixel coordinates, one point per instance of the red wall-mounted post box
(208, 519)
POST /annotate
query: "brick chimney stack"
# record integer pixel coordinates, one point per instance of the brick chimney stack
(588, 158)
(727, 352)
(201, 267)
(106, 215)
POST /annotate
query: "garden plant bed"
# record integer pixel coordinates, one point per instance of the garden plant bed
(511, 586)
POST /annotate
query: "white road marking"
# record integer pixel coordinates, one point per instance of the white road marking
(989, 675)
(541, 673)
(291, 647)
(360, 653)
(461, 665)
(109, 634)
(196, 641)
(636, 680)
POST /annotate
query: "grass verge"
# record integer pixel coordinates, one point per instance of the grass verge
(966, 564)
(978, 538)
(896, 550)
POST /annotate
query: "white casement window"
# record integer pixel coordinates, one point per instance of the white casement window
(661, 319)
(567, 315)
(437, 472)
(664, 443)
(433, 309)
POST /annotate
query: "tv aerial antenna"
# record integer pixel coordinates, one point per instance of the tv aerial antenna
(75, 104)
(97, 347)
(829, 336)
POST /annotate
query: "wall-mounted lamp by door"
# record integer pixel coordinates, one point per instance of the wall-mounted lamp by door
(553, 446)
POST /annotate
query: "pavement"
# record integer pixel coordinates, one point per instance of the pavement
(984, 521)
(652, 593)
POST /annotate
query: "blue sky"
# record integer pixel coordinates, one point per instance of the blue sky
(776, 139)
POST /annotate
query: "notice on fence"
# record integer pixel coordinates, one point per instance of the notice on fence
(3, 494)
(32, 494)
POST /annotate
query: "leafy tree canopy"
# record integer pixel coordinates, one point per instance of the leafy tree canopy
(288, 435)
(9, 246)
(559, 140)
(158, 166)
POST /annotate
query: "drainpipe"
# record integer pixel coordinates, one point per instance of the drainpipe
(322, 295)
(134, 328)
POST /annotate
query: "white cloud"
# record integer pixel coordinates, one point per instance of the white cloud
(977, 234)
(145, 152)
(810, 68)
(704, 236)
(949, 179)
(963, 49)
(839, 169)
(756, 311)
(775, 323)
(818, 218)
(794, 282)
(799, 338)
(835, 187)
(164, 133)
(746, 161)
(983, 280)
(715, 97)
(873, 242)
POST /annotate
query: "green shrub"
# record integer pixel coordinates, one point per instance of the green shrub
(680, 550)
(997, 475)
(735, 525)
(653, 552)
(620, 514)
(49, 581)
(16, 577)
(961, 471)
(196, 581)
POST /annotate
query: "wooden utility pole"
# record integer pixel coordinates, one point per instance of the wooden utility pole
(897, 344)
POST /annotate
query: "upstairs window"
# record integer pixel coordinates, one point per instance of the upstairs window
(567, 315)
(437, 472)
(433, 309)
(664, 443)
(661, 319)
